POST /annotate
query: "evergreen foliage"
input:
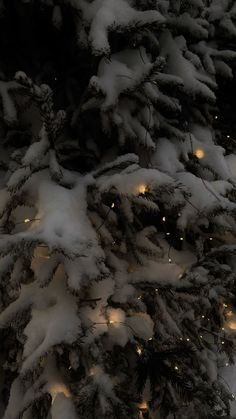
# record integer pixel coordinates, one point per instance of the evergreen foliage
(117, 208)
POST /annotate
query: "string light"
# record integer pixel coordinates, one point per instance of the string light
(181, 238)
(111, 322)
(140, 297)
(139, 350)
(233, 396)
(156, 289)
(199, 153)
(176, 368)
(112, 205)
(228, 136)
(222, 328)
(164, 219)
(227, 364)
(201, 336)
(211, 238)
(222, 342)
(225, 305)
(91, 372)
(187, 339)
(216, 116)
(150, 339)
(170, 260)
(142, 189)
(180, 338)
(168, 234)
(55, 389)
(143, 405)
(203, 317)
(27, 220)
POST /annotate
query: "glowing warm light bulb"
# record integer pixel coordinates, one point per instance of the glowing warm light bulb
(176, 368)
(203, 317)
(228, 136)
(143, 405)
(211, 238)
(181, 238)
(227, 364)
(111, 321)
(164, 219)
(201, 336)
(167, 234)
(58, 388)
(170, 260)
(187, 339)
(27, 220)
(112, 205)
(139, 350)
(199, 153)
(91, 372)
(216, 116)
(225, 305)
(142, 189)
(222, 342)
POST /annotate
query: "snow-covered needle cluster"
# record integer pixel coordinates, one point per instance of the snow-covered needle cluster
(117, 245)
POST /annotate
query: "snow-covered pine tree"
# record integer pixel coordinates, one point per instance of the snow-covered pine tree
(118, 213)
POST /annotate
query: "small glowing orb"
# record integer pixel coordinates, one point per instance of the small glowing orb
(58, 388)
(143, 405)
(142, 189)
(199, 153)
(139, 350)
